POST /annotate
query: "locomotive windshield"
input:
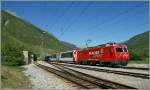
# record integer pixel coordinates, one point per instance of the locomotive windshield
(119, 50)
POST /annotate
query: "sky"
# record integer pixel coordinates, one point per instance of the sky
(77, 22)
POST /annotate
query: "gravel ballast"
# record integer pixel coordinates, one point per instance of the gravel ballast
(42, 79)
(117, 69)
(139, 65)
(56, 83)
(127, 80)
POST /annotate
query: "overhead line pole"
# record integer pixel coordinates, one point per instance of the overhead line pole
(87, 42)
(42, 45)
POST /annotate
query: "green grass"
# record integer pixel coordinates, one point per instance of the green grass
(144, 61)
(21, 32)
(12, 77)
(19, 35)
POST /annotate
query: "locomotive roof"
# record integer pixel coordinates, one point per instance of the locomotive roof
(104, 45)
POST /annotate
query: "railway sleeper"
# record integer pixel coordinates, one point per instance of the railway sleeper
(116, 72)
(86, 77)
(67, 76)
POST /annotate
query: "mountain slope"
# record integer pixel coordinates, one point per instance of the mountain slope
(139, 44)
(69, 45)
(18, 35)
(28, 34)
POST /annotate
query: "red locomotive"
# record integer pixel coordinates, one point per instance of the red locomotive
(108, 54)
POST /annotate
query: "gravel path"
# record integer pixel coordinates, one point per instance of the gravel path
(42, 79)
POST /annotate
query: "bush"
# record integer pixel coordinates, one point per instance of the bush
(134, 55)
(12, 55)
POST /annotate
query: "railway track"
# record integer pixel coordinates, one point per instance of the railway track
(138, 68)
(82, 83)
(123, 67)
(140, 75)
(84, 80)
(97, 81)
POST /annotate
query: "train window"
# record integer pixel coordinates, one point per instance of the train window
(67, 55)
(62, 55)
(119, 50)
(54, 56)
(125, 49)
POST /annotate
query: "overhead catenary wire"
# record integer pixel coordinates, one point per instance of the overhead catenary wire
(77, 18)
(97, 25)
(93, 36)
(61, 16)
(107, 21)
(112, 18)
(61, 31)
(88, 41)
(138, 26)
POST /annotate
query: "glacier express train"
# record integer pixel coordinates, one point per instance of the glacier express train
(108, 54)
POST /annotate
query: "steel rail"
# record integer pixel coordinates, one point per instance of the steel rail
(82, 83)
(122, 67)
(140, 75)
(138, 68)
(105, 84)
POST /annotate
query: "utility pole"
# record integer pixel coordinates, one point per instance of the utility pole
(42, 45)
(61, 34)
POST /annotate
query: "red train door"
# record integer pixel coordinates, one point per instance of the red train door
(76, 56)
(107, 53)
(120, 53)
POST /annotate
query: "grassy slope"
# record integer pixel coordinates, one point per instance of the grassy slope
(69, 45)
(19, 32)
(139, 45)
(14, 78)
